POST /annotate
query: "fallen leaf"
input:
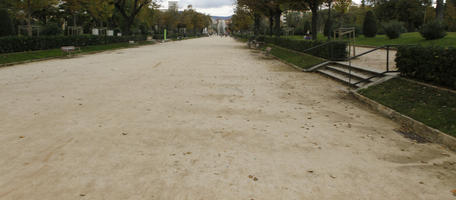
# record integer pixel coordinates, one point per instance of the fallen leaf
(454, 192)
(255, 179)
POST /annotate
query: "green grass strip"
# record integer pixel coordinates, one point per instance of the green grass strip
(431, 106)
(302, 60)
(56, 53)
(413, 38)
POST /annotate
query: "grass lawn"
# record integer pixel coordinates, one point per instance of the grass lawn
(52, 53)
(301, 60)
(433, 107)
(406, 38)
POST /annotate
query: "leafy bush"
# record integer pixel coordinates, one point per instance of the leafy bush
(433, 30)
(393, 29)
(19, 43)
(370, 25)
(51, 29)
(328, 30)
(336, 50)
(5, 23)
(307, 27)
(429, 64)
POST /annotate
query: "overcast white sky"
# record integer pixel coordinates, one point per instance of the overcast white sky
(211, 7)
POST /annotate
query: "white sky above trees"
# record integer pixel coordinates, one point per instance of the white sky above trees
(211, 7)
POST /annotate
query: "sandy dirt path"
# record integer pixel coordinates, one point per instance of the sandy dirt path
(376, 60)
(201, 119)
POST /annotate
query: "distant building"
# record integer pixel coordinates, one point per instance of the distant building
(173, 5)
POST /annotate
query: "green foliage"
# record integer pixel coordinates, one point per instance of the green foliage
(18, 44)
(370, 25)
(301, 60)
(51, 29)
(429, 64)
(432, 106)
(393, 29)
(407, 39)
(307, 27)
(329, 25)
(5, 23)
(433, 30)
(336, 50)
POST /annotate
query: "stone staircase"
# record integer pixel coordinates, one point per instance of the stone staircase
(351, 75)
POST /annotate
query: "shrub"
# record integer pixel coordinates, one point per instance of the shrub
(51, 29)
(393, 29)
(12, 44)
(433, 30)
(428, 64)
(328, 27)
(5, 23)
(370, 25)
(336, 50)
(307, 27)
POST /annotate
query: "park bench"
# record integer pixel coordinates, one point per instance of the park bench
(70, 49)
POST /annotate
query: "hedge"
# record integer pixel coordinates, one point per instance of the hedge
(335, 50)
(12, 44)
(435, 65)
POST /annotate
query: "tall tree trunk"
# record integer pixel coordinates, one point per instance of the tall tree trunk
(329, 19)
(439, 10)
(271, 24)
(277, 21)
(29, 19)
(256, 29)
(314, 9)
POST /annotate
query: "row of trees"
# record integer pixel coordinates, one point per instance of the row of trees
(325, 15)
(126, 16)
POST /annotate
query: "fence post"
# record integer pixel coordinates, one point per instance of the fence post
(387, 57)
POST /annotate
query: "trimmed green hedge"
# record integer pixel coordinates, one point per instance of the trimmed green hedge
(336, 50)
(429, 64)
(20, 43)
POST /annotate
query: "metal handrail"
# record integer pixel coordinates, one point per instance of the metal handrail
(370, 51)
(320, 45)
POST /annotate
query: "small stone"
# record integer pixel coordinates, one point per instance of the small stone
(421, 182)
(124, 133)
(332, 176)
(82, 195)
(21, 136)
(310, 171)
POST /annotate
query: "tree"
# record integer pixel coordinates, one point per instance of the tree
(439, 10)
(370, 25)
(450, 15)
(29, 7)
(5, 23)
(241, 20)
(257, 8)
(129, 9)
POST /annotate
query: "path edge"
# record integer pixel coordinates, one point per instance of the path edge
(429, 133)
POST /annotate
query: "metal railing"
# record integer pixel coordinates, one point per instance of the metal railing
(388, 48)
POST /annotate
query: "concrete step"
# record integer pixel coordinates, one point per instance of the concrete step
(342, 77)
(354, 72)
(359, 68)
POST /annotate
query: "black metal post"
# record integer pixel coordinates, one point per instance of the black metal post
(387, 58)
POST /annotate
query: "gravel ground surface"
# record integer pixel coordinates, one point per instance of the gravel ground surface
(376, 60)
(201, 119)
